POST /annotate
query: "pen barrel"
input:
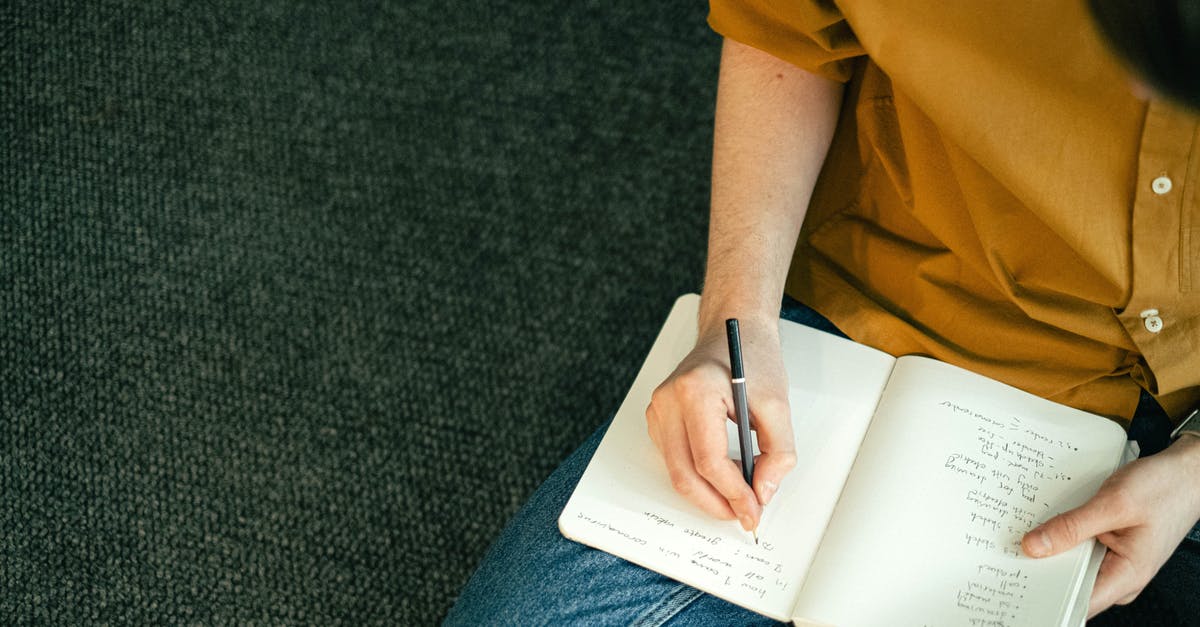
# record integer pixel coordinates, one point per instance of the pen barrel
(734, 335)
(745, 440)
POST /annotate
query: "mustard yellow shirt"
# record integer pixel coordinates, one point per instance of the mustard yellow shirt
(996, 196)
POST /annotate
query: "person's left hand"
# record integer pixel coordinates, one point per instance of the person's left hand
(1141, 513)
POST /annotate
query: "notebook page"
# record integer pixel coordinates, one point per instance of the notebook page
(625, 504)
(955, 469)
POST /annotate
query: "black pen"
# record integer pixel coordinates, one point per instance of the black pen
(741, 404)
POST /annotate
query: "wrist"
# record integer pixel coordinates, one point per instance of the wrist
(1188, 447)
(754, 323)
(758, 312)
(1186, 453)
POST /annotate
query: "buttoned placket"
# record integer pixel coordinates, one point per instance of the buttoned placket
(1160, 316)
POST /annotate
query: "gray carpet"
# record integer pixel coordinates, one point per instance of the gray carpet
(302, 299)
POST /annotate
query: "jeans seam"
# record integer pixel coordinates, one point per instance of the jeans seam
(670, 605)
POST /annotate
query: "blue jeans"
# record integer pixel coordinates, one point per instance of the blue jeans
(534, 576)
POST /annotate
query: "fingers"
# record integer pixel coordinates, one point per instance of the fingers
(1136, 515)
(671, 438)
(687, 419)
(1117, 577)
(1106, 511)
(709, 446)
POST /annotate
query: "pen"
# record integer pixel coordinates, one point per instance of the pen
(741, 404)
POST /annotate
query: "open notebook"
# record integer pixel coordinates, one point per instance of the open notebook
(915, 483)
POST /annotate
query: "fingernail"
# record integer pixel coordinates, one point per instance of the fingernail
(747, 523)
(1039, 544)
(768, 491)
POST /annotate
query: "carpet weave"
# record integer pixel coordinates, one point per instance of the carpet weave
(302, 299)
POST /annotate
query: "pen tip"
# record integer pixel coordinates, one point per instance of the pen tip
(756, 536)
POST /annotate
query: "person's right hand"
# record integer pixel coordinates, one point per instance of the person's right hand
(687, 414)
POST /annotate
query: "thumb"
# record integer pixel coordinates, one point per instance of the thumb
(1070, 528)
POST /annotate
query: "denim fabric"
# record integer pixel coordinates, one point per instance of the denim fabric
(534, 576)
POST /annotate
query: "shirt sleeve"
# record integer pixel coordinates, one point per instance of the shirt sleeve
(810, 34)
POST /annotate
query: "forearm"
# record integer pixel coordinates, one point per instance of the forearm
(774, 124)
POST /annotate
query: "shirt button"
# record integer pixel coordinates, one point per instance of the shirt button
(1150, 318)
(1161, 185)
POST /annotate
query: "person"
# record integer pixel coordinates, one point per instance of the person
(1008, 187)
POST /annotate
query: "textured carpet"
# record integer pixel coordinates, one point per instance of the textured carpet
(301, 300)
